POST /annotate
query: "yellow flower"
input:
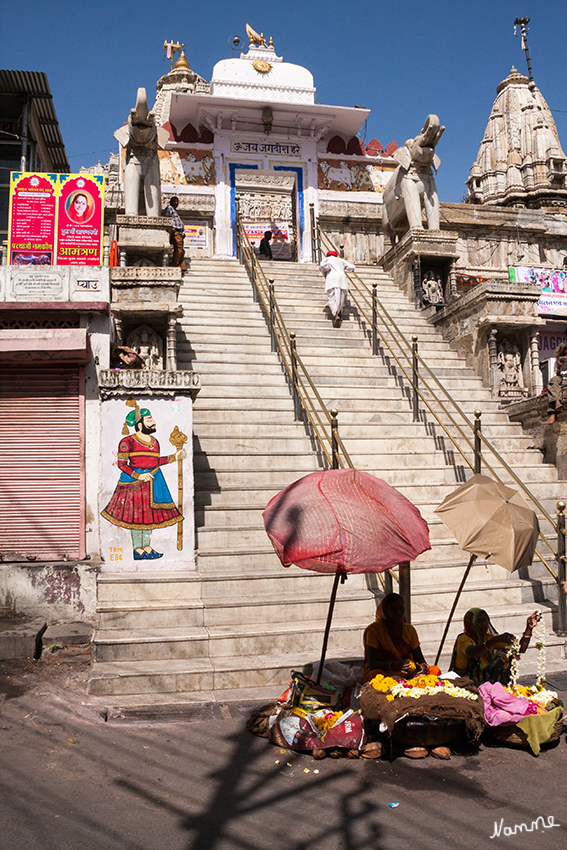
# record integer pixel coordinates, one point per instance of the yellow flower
(382, 684)
(389, 697)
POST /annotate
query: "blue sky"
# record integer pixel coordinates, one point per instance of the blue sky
(401, 60)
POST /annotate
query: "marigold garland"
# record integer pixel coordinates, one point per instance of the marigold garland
(426, 685)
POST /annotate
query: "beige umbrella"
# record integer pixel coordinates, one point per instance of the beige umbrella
(491, 521)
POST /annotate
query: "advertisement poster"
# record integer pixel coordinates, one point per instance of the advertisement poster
(281, 248)
(80, 220)
(33, 208)
(196, 234)
(553, 284)
(56, 219)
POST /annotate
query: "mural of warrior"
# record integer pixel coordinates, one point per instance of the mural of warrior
(141, 500)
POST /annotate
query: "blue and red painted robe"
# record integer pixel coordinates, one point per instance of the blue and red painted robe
(141, 504)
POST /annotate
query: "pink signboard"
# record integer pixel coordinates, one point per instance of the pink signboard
(79, 220)
(33, 211)
(56, 219)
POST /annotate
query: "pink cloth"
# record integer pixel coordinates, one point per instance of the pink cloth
(500, 706)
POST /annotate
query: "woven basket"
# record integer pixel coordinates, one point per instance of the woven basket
(510, 733)
(426, 736)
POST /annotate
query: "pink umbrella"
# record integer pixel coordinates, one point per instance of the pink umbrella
(344, 521)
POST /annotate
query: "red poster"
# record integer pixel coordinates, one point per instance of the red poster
(79, 221)
(32, 219)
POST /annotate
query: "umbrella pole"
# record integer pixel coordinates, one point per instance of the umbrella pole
(457, 597)
(341, 576)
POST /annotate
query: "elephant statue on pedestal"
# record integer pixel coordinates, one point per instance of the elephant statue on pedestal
(412, 183)
(141, 138)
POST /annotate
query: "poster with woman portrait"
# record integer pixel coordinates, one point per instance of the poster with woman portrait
(80, 220)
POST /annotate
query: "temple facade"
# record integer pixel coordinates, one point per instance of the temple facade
(256, 132)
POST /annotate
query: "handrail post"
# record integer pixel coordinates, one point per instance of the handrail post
(477, 442)
(272, 326)
(374, 321)
(405, 587)
(296, 408)
(334, 438)
(237, 225)
(415, 379)
(561, 598)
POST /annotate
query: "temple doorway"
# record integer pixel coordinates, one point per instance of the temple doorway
(268, 201)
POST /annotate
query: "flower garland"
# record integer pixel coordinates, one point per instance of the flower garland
(513, 654)
(535, 693)
(539, 634)
(426, 685)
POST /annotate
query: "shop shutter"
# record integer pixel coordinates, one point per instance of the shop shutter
(42, 462)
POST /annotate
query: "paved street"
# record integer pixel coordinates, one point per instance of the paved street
(71, 781)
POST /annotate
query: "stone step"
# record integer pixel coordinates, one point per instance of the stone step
(247, 461)
(353, 412)
(181, 587)
(224, 617)
(201, 674)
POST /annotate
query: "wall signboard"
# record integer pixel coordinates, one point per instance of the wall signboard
(196, 234)
(553, 282)
(56, 219)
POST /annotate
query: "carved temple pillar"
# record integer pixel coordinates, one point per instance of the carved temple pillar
(493, 361)
(536, 381)
(452, 282)
(416, 270)
(172, 342)
(119, 331)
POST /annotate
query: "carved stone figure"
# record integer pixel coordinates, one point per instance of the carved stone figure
(511, 377)
(141, 138)
(149, 346)
(432, 289)
(412, 183)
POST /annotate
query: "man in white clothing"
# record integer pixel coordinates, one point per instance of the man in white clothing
(336, 285)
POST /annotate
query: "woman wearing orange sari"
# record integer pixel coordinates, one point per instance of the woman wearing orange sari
(391, 646)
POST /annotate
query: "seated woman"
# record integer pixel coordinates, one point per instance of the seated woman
(391, 646)
(479, 651)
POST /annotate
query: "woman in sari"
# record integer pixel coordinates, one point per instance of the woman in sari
(479, 651)
(391, 646)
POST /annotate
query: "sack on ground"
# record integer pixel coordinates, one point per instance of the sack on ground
(295, 729)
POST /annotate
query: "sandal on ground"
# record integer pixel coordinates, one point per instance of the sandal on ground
(373, 750)
(416, 753)
(440, 752)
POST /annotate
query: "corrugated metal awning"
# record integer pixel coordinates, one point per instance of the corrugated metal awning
(34, 85)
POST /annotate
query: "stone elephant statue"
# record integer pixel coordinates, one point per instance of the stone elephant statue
(412, 184)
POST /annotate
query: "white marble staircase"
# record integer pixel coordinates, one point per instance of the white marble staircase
(242, 620)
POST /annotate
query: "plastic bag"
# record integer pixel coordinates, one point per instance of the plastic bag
(338, 674)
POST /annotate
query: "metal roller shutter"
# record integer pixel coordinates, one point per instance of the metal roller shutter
(42, 462)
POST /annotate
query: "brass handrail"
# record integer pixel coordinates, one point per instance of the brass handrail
(392, 335)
